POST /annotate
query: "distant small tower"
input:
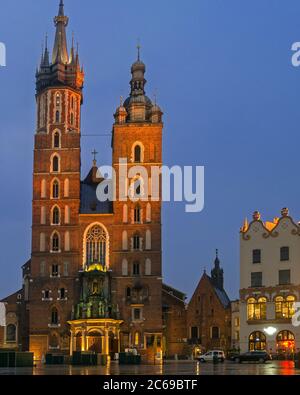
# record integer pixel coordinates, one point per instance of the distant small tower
(217, 274)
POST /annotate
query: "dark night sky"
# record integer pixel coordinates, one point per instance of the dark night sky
(222, 71)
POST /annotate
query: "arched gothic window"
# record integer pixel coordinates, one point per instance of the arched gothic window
(55, 243)
(96, 246)
(137, 154)
(55, 189)
(55, 163)
(55, 216)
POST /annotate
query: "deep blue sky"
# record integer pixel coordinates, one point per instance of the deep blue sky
(223, 74)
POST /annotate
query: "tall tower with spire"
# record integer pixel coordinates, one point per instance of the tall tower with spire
(56, 193)
(217, 273)
(136, 255)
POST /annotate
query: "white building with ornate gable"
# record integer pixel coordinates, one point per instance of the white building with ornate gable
(269, 284)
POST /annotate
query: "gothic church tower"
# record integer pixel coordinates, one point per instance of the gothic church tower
(56, 194)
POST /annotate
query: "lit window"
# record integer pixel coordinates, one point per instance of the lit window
(57, 98)
(284, 307)
(136, 339)
(257, 309)
(96, 246)
(257, 341)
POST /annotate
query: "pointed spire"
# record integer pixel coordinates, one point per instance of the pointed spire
(60, 50)
(72, 53)
(138, 51)
(61, 8)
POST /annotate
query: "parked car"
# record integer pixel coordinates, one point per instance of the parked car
(253, 356)
(232, 356)
(210, 356)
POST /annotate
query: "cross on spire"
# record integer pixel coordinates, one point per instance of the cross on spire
(139, 50)
(95, 153)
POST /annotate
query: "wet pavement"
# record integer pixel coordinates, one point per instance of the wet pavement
(168, 368)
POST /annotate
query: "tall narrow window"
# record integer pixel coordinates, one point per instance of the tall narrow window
(55, 189)
(137, 154)
(136, 269)
(136, 242)
(56, 140)
(137, 215)
(54, 316)
(56, 216)
(55, 242)
(57, 116)
(55, 164)
(72, 119)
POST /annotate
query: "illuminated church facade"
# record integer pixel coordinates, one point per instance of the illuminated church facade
(94, 280)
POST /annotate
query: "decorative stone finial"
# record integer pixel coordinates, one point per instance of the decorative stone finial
(256, 216)
(285, 212)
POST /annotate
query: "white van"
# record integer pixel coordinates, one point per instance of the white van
(210, 355)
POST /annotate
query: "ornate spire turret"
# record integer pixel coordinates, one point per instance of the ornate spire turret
(62, 69)
(60, 50)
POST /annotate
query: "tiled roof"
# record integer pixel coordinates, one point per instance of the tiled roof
(89, 204)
